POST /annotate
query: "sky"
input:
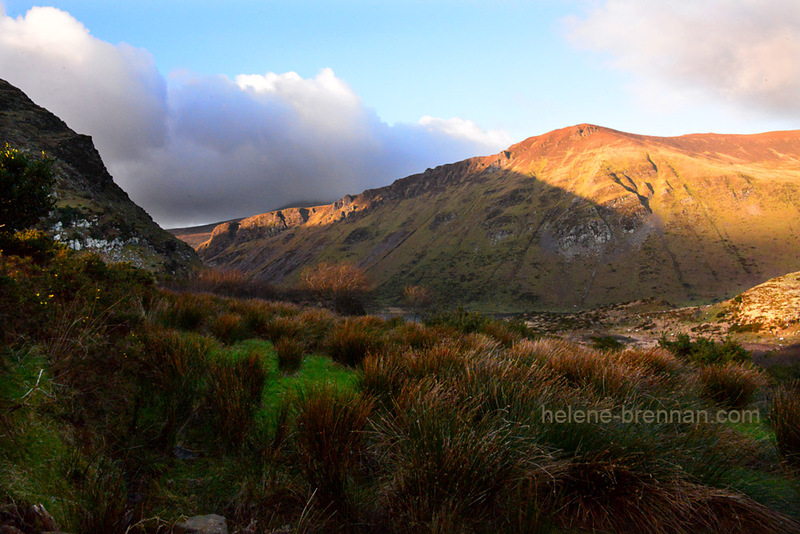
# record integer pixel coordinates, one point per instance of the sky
(205, 111)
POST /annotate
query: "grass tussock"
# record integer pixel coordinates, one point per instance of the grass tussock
(785, 421)
(174, 403)
(330, 442)
(732, 384)
(235, 389)
(229, 328)
(354, 339)
(290, 353)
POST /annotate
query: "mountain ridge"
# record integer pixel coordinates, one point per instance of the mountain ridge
(559, 218)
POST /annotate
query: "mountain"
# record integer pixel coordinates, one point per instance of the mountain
(92, 212)
(576, 218)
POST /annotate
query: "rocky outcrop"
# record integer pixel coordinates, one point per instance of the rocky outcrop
(92, 212)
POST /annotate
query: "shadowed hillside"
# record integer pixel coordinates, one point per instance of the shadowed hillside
(92, 212)
(576, 218)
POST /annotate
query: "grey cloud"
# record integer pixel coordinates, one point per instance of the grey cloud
(193, 150)
(743, 52)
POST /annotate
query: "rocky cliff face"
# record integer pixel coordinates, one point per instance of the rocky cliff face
(92, 212)
(576, 218)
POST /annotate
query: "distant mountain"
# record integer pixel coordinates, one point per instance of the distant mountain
(92, 212)
(576, 218)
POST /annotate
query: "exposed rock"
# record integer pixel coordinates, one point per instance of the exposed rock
(203, 524)
(92, 212)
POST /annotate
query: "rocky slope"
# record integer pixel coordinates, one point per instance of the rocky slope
(576, 218)
(92, 212)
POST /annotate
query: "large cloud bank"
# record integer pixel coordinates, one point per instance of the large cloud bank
(194, 149)
(744, 52)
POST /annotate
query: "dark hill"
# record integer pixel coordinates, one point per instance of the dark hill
(92, 212)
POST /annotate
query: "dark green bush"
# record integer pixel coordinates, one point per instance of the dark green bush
(704, 350)
(25, 186)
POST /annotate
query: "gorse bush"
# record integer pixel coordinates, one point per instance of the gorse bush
(704, 350)
(25, 186)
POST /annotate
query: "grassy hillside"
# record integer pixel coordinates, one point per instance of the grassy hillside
(124, 406)
(576, 218)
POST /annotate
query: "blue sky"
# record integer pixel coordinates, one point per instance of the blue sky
(205, 111)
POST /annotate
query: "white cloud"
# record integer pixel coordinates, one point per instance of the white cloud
(111, 92)
(466, 130)
(194, 149)
(745, 52)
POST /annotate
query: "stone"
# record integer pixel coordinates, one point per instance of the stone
(203, 524)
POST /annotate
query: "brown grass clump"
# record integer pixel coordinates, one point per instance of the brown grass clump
(417, 336)
(229, 328)
(584, 367)
(731, 384)
(172, 367)
(785, 421)
(353, 339)
(187, 311)
(235, 389)
(656, 359)
(329, 433)
(290, 354)
(448, 462)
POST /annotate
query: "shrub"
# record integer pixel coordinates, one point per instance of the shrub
(704, 350)
(290, 354)
(606, 343)
(732, 384)
(419, 299)
(785, 421)
(25, 187)
(342, 285)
